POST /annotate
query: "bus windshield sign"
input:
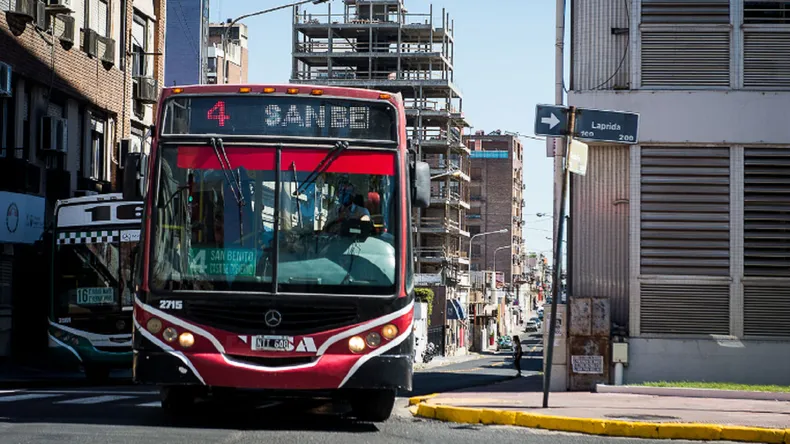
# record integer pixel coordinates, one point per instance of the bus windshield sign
(316, 117)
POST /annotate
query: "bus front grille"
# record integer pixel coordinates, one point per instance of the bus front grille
(250, 317)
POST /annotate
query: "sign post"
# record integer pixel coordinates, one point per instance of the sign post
(589, 124)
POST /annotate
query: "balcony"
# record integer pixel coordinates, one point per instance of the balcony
(449, 197)
(453, 168)
(437, 140)
(441, 254)
(440, 225)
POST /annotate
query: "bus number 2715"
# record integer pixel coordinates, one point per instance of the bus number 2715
(166, 304)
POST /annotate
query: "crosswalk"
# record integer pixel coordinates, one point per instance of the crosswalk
(70, 398)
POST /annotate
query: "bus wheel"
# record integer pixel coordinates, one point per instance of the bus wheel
(97, 374)
(177, 400)
(372, 405)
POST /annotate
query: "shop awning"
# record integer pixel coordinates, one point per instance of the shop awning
(455, 311)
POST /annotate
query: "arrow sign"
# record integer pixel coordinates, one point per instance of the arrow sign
(551, 120)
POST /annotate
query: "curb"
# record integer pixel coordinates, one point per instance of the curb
(591, 426)
(692, 392)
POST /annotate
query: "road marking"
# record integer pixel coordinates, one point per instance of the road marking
(4, 392)
(150, 404)
(268, 404)
(96, 392)
(94, 399)
(26, 397)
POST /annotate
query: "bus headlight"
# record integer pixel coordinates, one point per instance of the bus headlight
(186, 339)
(154, 325)
(170, 334)
(389, 331)
(356, 344)
(373, 339)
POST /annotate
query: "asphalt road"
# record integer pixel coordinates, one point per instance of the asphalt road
(126, 414)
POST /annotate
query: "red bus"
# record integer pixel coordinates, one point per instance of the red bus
(275, 254)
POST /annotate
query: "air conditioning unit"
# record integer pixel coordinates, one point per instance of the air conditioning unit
(146, 89)
(106, 49)
(41, 16)
(5, 80)
(64, 29)
(23, 9)
(60, 6)
(89, 42)
(53, 134)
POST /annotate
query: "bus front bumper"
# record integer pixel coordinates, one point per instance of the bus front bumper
(331, 372)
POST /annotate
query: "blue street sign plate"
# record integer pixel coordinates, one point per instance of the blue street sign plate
(551, 120)
(606, 126)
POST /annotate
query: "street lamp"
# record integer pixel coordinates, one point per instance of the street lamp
(471, 239)
(495, 252)
(226, 64)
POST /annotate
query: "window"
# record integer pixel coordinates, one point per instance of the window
(97, 16)
(98, 154)
(6, 126)
(139, 46)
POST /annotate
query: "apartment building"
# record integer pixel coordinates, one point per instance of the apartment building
(236, 62)
(187, 42)
(78, 84)
(378, 44)
(685, 235)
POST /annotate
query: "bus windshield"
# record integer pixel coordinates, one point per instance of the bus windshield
(214, 230)
(92, 274)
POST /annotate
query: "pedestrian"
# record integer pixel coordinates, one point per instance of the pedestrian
(517, 353)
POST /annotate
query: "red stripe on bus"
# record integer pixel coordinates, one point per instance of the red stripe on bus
(305, 160)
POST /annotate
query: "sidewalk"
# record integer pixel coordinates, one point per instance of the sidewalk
(518, 402)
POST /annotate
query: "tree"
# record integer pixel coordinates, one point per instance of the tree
(425, 295)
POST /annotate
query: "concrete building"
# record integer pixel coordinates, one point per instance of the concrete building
(77, 87)
(237, 61)
(685, 234)
(187, 42)
(379, 44)
(497, 202)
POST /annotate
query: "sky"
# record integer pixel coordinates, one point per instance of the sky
(504, 65)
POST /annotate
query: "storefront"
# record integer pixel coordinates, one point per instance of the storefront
(21, 226)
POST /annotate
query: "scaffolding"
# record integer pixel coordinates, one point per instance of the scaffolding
(378, 44)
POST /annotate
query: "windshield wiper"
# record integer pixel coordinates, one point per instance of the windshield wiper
(322, 166)
(224, 163)
(219, 150)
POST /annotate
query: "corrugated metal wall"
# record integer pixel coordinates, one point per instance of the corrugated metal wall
(691, 57)
(599, 229)
(600, 59)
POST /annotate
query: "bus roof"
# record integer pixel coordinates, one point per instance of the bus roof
(303, 90)
(89, 199)
(81, 211)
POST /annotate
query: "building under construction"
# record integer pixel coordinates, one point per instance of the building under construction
(378, 44)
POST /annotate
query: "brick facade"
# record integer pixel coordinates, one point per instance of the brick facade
(78, 81)
(496, 199)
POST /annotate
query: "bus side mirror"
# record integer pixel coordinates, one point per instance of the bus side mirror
(421, 185)
(134, 170)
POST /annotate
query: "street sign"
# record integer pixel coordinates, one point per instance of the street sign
(551, 120)
(577, 157)
(606, 126)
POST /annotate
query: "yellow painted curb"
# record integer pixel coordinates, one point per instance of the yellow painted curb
(753, 434)
(414, 400)
(592, 426)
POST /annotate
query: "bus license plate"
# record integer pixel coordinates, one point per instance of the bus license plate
(272, 343)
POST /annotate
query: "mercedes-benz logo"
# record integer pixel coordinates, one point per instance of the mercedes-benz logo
(273, 318)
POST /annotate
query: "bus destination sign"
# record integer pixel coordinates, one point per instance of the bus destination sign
(281, 116)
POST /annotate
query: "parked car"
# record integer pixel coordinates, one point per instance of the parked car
(537, 321)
